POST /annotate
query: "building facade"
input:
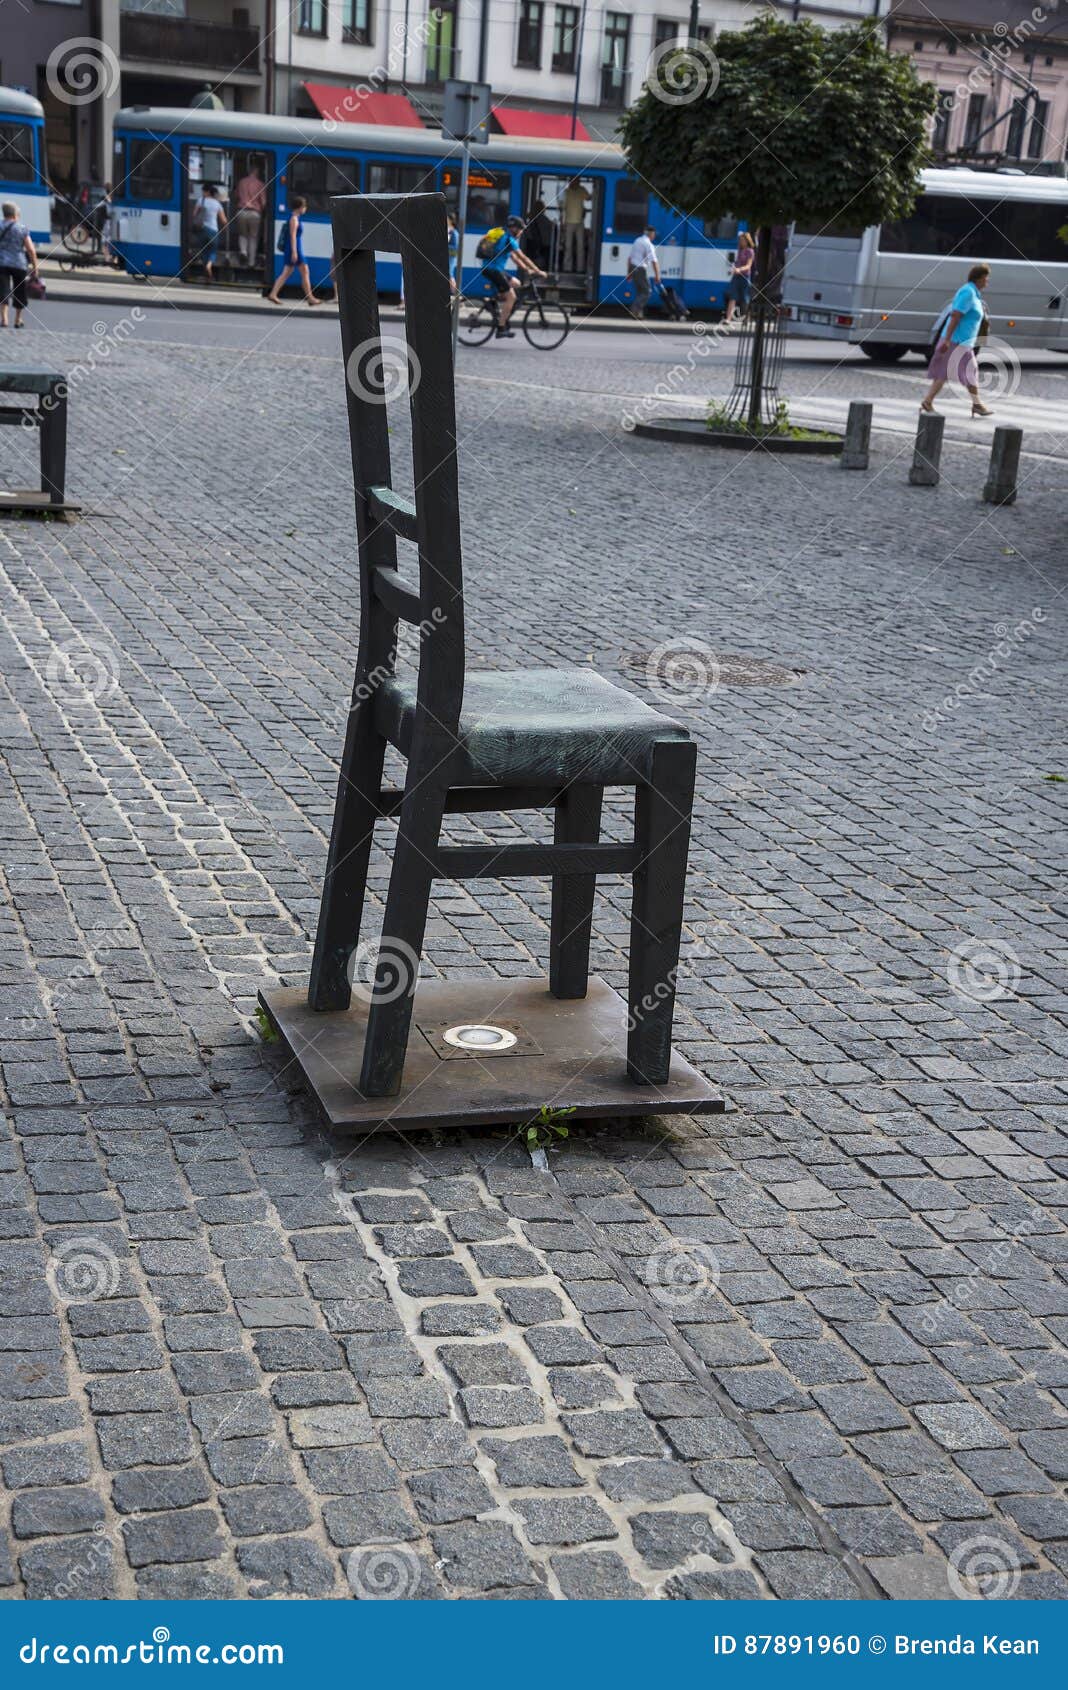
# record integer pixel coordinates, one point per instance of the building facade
(536, 54)
(1001, 71)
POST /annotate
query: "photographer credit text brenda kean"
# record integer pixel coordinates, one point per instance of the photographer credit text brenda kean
(794, 1643)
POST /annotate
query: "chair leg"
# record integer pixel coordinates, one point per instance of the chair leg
(53, 432)
(577, 822)
(662, 834)
(403, 928)
(345, 884)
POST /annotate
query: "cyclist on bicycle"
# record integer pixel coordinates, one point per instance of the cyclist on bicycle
(507, 285)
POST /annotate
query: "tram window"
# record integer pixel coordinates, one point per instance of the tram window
(488, 199)
(400, 178)
(318, 178)
(720, 228)
(632, 208)
(16, 153)
(151, 175)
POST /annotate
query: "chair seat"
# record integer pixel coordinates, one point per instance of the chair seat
(538, 725)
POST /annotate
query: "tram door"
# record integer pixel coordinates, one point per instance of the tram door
(243, 244)
(564, 217)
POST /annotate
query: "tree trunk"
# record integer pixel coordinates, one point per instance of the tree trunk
(762, 307)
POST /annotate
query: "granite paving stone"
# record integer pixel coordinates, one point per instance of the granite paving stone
(306, 1352)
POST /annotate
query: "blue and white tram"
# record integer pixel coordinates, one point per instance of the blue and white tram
(164, 157)
(22, 160)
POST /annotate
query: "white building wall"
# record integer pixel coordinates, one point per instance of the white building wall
(399, 52)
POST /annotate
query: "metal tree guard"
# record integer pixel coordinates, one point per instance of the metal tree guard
(761, 346)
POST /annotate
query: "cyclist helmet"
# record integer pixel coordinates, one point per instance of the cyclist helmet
(515, 223)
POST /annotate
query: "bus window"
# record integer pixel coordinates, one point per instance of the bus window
(631, 215)
(16, 153)
(1029, 228)
(151, 171)
(318, 178)
(400, 178)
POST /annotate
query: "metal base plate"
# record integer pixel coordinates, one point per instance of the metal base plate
(578, 1061)
(31, 502)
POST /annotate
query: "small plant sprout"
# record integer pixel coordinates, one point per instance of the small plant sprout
(546, 1127)
(266, 1031)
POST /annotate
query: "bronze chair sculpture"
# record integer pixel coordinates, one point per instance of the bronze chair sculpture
(474, 742)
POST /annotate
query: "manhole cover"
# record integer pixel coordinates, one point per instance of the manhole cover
(676, 664)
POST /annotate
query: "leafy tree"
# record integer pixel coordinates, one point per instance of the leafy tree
(783, 123)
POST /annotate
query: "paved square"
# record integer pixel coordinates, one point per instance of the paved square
(812, 1347)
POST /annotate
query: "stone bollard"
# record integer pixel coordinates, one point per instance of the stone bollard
(928, 451)
(1000, 486)
(857, 435)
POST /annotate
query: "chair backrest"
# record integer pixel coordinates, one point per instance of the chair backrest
(413, 225)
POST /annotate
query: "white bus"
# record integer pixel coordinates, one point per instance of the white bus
(882, 289)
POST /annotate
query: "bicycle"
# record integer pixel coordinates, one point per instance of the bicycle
(545, 322)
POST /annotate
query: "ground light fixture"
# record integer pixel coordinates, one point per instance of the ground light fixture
(479, 1036)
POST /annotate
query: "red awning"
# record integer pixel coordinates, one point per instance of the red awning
(545, 125)
(362, 105)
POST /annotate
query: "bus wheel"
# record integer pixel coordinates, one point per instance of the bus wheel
(882, 352)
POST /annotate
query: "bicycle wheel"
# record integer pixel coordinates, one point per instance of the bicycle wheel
(78, 235)
(546, 324)
(477, 323)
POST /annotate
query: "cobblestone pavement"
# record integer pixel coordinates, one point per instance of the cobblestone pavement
(813, 1347)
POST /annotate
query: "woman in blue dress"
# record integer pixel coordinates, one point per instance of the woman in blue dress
(291, 245)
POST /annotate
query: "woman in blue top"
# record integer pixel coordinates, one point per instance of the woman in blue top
(955, 353)
(454, 250)
(291, 245)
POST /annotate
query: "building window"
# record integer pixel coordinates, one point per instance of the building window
(614, 58)
(441, 41)
(1036, 144)
(565, 38)
(311, 17)
(665, 30)
(974, 121)
(357, 23)
(1014, 135)
(528, 46)
(943, 117)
